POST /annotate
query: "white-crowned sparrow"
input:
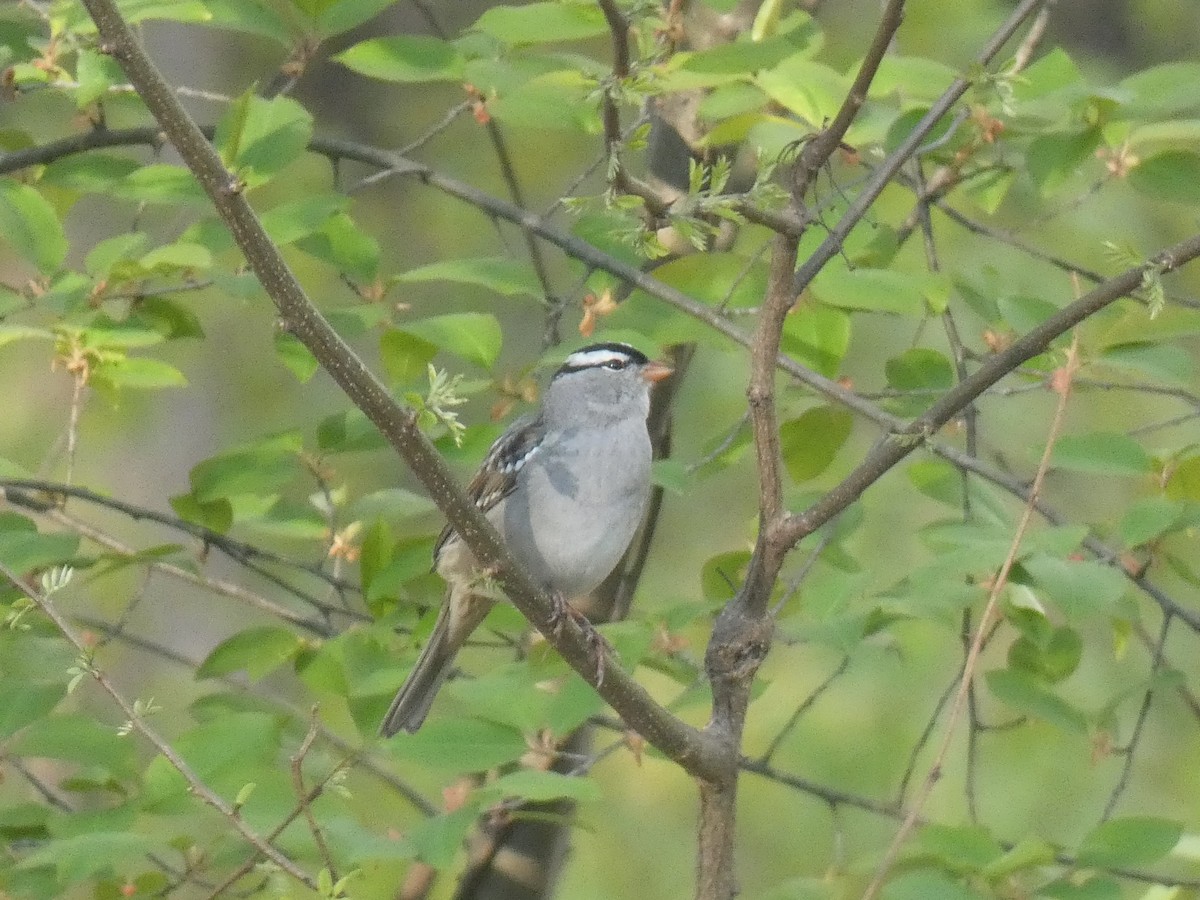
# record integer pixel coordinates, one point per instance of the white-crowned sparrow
(566, 489)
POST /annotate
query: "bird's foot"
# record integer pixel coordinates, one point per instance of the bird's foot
(598, 646)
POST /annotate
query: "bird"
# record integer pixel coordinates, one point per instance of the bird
(566, 487)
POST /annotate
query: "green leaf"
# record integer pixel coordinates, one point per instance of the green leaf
(10, 334)
(259, 651)
(1110, 453)
(475, 337)
(538, 23)
(296, 219)
(1163, 91)
(817, 336)
(215, 515)
(810, 89)
(405, 356)
(1132, 841)
(1027, 695)
(29, 224)
(966, 848)
(1167, 362)
(405, 58)
(913, 78)
(25, 703)
(510, 277)
(160, 183)
(459, 745)
(1183, 480)
(811, 442)
(81, 856)
(259, 137)
(1055, 157)
(260, 468)
(138, 373)
(438, 839)
(343, 244)
(295, 356)
(919, 369)
(77, 739)
(258, 17)
(394, 505)
(1149, 518)
(881, 290)
(1080, 588)
(24, 551)
(172, 257)
(343, 15)
(96, 73)
(1171, 175)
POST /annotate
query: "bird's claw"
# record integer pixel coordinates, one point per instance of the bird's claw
(598, 646)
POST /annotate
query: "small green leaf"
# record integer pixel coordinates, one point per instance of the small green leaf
(215, 515)
(1150, 518)
(538, 23)
(343, 15)
(295, 356)
(259, 651)
(510, 277)
(460, 744)
(25, 550)
(1053, 158)
(297, 219)
(160, 183)
(260, 468)
(817, 336)
(81, 856)
(405, 58)
(343, 244)
(29, 224)
(812, 441)
(475, 337)
(1162, 92)
(180, 255)
(405, 356)
(1132, 841)
(438, 839)
(138, 373)
(1080, 588)
(1027, 695)
(259, 137)
(966, 848)
(919, 369)
(12, 333)
(881, 290)
(1110, 453)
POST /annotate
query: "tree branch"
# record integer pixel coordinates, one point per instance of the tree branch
(678, 741)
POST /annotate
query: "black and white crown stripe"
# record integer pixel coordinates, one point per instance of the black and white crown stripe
(595, 356)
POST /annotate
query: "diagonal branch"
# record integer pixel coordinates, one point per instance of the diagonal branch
(680, 742)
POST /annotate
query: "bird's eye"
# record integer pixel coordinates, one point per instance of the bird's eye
(615, 364)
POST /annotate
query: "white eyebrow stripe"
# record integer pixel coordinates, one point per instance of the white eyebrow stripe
(585, 358)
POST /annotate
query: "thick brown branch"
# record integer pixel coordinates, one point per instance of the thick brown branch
(678, 741)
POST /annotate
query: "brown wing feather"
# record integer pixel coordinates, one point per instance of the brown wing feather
(496, 477)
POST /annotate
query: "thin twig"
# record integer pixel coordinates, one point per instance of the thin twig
(304, 801)
(138, 723)
(985, 622)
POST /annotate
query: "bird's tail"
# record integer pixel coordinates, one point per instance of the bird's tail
(458, 618)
